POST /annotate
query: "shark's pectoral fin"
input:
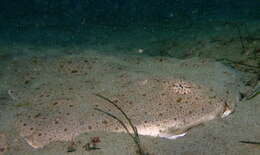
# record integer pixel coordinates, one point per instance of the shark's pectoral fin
(173, 133)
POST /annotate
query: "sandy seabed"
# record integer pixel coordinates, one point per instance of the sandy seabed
(168, 82)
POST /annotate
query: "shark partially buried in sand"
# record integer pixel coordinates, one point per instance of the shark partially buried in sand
(158, 106)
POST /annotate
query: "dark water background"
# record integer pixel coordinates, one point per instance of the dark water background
(30, 26)
(123, 11)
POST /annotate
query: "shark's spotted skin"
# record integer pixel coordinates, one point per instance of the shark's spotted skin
(165, 107)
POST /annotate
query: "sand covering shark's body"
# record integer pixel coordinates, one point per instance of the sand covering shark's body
(61, 106)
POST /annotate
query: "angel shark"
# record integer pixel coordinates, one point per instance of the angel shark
(158, 108)
(162, 99)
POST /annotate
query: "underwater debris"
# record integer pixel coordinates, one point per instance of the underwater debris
(253, 94)
(135, 135)
(240, 66)
(71, 147)
(92, 145)
(250, 142)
